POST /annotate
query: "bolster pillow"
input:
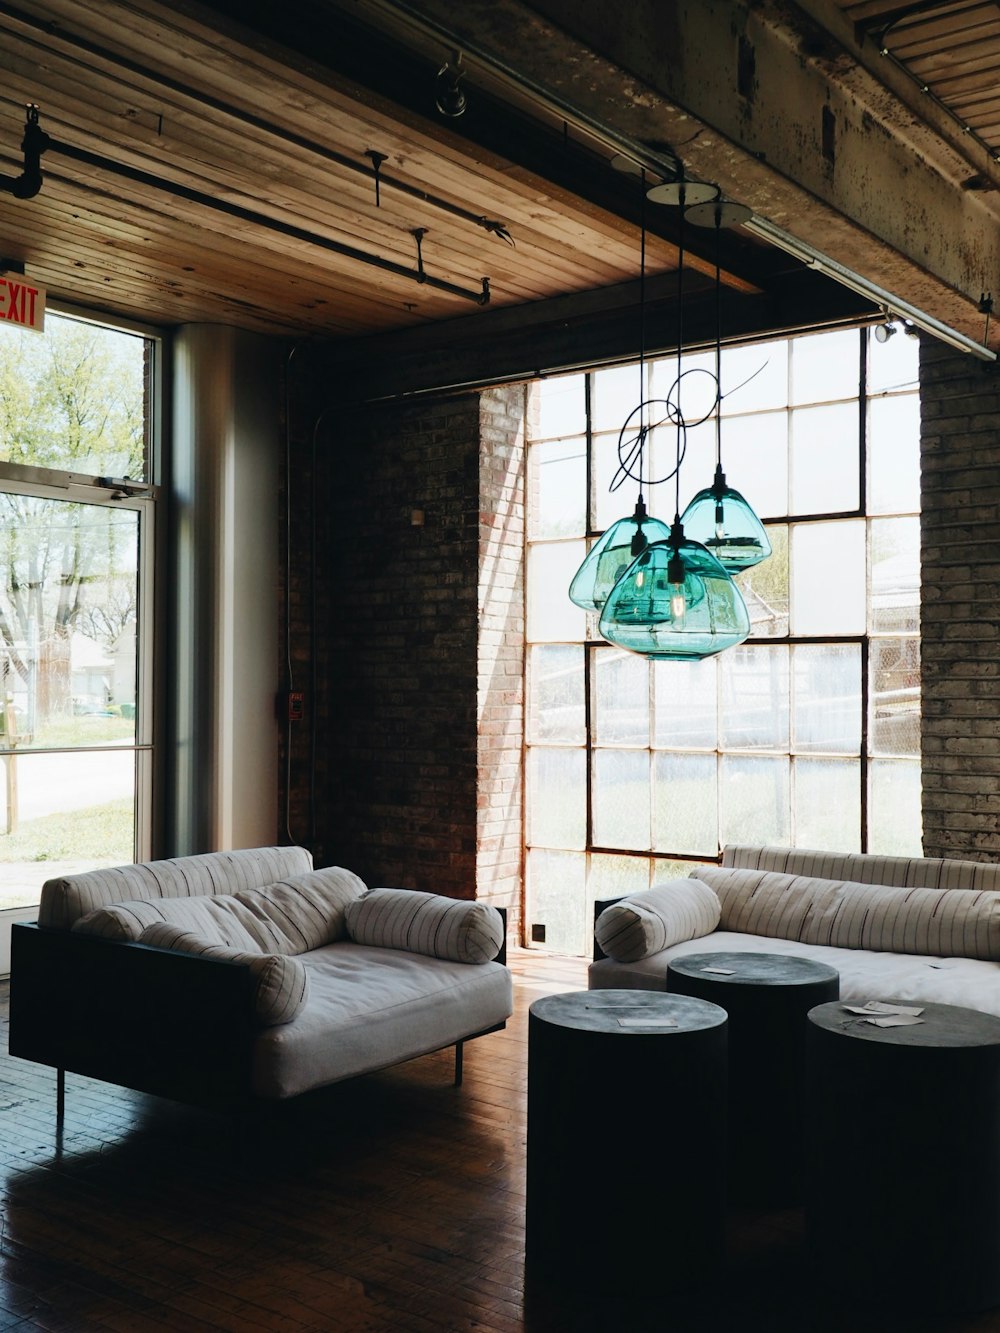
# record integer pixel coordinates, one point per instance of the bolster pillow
(949, 923)
(426, 923)
(644, 923)
(281, 985)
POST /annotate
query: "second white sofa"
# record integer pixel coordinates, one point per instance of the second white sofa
(920, 929)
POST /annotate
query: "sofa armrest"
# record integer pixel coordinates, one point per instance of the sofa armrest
(154, 1020)
(599, 905)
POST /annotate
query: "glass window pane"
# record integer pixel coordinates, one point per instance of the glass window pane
(755, 698)
(825, 366)
(755, 460)
(828, 578)
(754, 800)
(827, 794)
(615, 393)
(556, 898)
(698, 388)
(754, 378)
(552, 617)
(621, 799)
(63, 813)
(894, 696)
(894, 455)
(557, 797)
(615, 876)
(894, 364)
(685, 804)
(686, 705)
(895, 557)
(556, 695)
(74, 399)
(827, 706)
(557, 485)
(765, 588)
(557, 407)
(621, 697)
(825, 459)
(68, 614)
(610, 505)
(894, 817)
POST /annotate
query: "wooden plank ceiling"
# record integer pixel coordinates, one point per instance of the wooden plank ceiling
(200, 172)
(951, 51)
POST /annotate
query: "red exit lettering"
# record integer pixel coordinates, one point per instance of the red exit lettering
(22, 304)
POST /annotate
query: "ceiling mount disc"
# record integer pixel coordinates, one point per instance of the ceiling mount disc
(718, 213)
(683, 192)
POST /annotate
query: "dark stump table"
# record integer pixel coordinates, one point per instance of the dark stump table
(767, 997)
(903, 1158)
(626, 1122)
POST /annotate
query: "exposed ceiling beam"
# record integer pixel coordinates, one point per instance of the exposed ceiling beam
(779, 109)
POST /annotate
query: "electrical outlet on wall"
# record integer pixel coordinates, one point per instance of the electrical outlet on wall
(537, 933)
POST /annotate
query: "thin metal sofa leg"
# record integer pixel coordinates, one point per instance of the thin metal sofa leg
(459, 1049)
(60, 1096)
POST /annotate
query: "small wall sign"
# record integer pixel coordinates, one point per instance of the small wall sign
(22, 303)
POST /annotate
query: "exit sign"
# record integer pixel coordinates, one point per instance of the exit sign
(22, 304)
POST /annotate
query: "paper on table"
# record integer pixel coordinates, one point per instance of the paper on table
(723, 971)
(881, 1007)
(647, 1022)
(892, 1020)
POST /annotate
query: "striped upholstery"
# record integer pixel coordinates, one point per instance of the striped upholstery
(69, 897)
(220, 919)
(281, 985)
(426, 923)
(946, 922)
(305, 912)
(644, 923)
(917, 872)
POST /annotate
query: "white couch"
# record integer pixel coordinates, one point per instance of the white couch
(919, 929)
(245, 975)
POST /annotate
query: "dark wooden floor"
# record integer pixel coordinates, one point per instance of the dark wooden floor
(392, 1203)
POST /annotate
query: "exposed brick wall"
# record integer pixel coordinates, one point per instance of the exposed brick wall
(960, 630)
(407, 769)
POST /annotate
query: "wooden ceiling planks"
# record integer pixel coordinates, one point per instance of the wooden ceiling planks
(155, 91)
(953, 50)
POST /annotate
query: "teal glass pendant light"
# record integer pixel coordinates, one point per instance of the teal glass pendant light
(718, 516)
(675, 601)
(611, 556)
(722, 521)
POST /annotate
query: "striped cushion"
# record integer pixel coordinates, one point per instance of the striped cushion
(221, 920)
(65, 899)
(911, 872)
(306, 912)
(644, 923)
(281, 985)
(952, 923)
(427, 923)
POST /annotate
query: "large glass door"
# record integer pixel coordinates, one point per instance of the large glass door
(76, 541)
(74, 739)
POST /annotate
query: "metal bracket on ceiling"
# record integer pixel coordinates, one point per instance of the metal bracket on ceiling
(33, 145)
(376, 160)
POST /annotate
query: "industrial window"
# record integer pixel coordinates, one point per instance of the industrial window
(808, 734)
(76, 542)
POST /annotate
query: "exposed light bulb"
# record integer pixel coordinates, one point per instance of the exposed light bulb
(678, 604)
(720, 521)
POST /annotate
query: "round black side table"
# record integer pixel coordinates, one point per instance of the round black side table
(626, 1122)
(903, 1158)
(767, 997)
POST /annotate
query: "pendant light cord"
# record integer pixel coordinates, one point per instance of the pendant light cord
(718, 334)
(680, 351)
(642, 326)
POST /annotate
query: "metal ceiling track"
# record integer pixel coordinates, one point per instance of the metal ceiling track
(36, 142)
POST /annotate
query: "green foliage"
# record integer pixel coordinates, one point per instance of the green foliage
(102, 833)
